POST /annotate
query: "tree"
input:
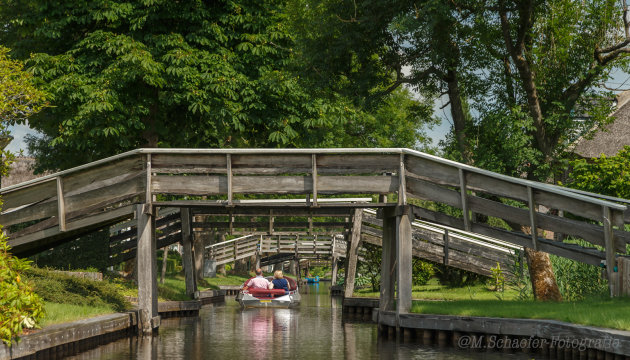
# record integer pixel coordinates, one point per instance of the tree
(19, 98)
(527, 68)
(160, 73)
(603, 175)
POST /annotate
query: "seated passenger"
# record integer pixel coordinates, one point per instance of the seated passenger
(279, 282)
(259, 282)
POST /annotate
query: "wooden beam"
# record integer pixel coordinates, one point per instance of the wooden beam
(314, 174)
(609, 240)
(533, 223)
(147, 271)
(61, 205)
(388, 262)
(402, 188)
(446, 244)
(464, 199)
(352, 252)
(404, 271)
(148, 195)
(228, 159)
(191, 285)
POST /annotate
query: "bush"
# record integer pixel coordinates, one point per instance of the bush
(577, 280)
(457, 278)
(60, 288)
(173, 262)
(19, 305)
(89, 251)
(422, 272)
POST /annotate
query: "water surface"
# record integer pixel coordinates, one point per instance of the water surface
(315, 330)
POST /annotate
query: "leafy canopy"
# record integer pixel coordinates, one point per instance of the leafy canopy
(125, 74)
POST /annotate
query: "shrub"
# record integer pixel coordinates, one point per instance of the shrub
(60, 288)
(422, 272)
(577, 280)
(19, 306)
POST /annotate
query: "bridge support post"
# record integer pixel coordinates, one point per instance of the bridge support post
(353, 252)
(396, 263)
(198, 250)
(334, 270)
(388, 261)
(404, 250)
(191, 284)
(147, 270)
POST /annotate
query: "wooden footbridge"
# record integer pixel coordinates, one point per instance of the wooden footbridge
(212, 184)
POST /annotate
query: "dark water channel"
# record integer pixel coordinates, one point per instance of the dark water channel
(315, 330)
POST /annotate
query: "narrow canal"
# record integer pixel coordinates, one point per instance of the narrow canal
(315, 330)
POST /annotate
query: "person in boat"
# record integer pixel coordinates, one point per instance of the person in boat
(259, 282)
(279, 282)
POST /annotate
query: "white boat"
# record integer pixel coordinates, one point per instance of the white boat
(269, 297)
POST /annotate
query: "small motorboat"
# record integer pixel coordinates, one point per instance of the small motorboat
(269, 297)
(312, 280)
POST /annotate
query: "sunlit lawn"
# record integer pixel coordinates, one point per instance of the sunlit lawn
(434, 291)
(604, 312)
(60, 313)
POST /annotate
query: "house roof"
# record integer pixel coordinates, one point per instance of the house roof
(21, 170)
(612, 137)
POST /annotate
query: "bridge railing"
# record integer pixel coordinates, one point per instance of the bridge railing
(43, 211)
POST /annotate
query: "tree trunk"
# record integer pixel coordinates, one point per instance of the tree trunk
(458, 114)
(543, 279)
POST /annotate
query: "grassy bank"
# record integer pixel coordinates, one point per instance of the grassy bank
(59, 313)
(594, 312)
(434, 291)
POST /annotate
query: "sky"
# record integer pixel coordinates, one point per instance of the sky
(620, 80)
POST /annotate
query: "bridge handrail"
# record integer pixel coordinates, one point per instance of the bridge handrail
(536, 185)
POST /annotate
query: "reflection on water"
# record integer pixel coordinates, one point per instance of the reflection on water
(314, 330)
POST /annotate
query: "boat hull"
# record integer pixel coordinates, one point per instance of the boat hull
(287, 301)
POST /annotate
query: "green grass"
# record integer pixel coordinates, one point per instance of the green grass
(434, 291)
(603, 312)
(60, 313)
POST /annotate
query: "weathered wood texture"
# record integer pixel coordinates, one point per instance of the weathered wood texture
(67, 203)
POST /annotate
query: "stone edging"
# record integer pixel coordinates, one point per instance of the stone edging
(67, 339)
(555, 332)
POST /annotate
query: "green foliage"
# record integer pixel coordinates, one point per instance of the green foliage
(457, 278)
(320, 271)
(60, 288)
(88, 251)
(173, 262)
(578, 281)
(423, 271)
(19, 98)
(603, 175)
(201, 74)
(498, 278)
(20, 306)
(369, 269)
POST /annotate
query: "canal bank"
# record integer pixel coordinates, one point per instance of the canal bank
(334, 328)
(545, 338)
(68, 339)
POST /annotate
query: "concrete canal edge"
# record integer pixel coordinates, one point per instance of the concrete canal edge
(60, 340)
(549, 338)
